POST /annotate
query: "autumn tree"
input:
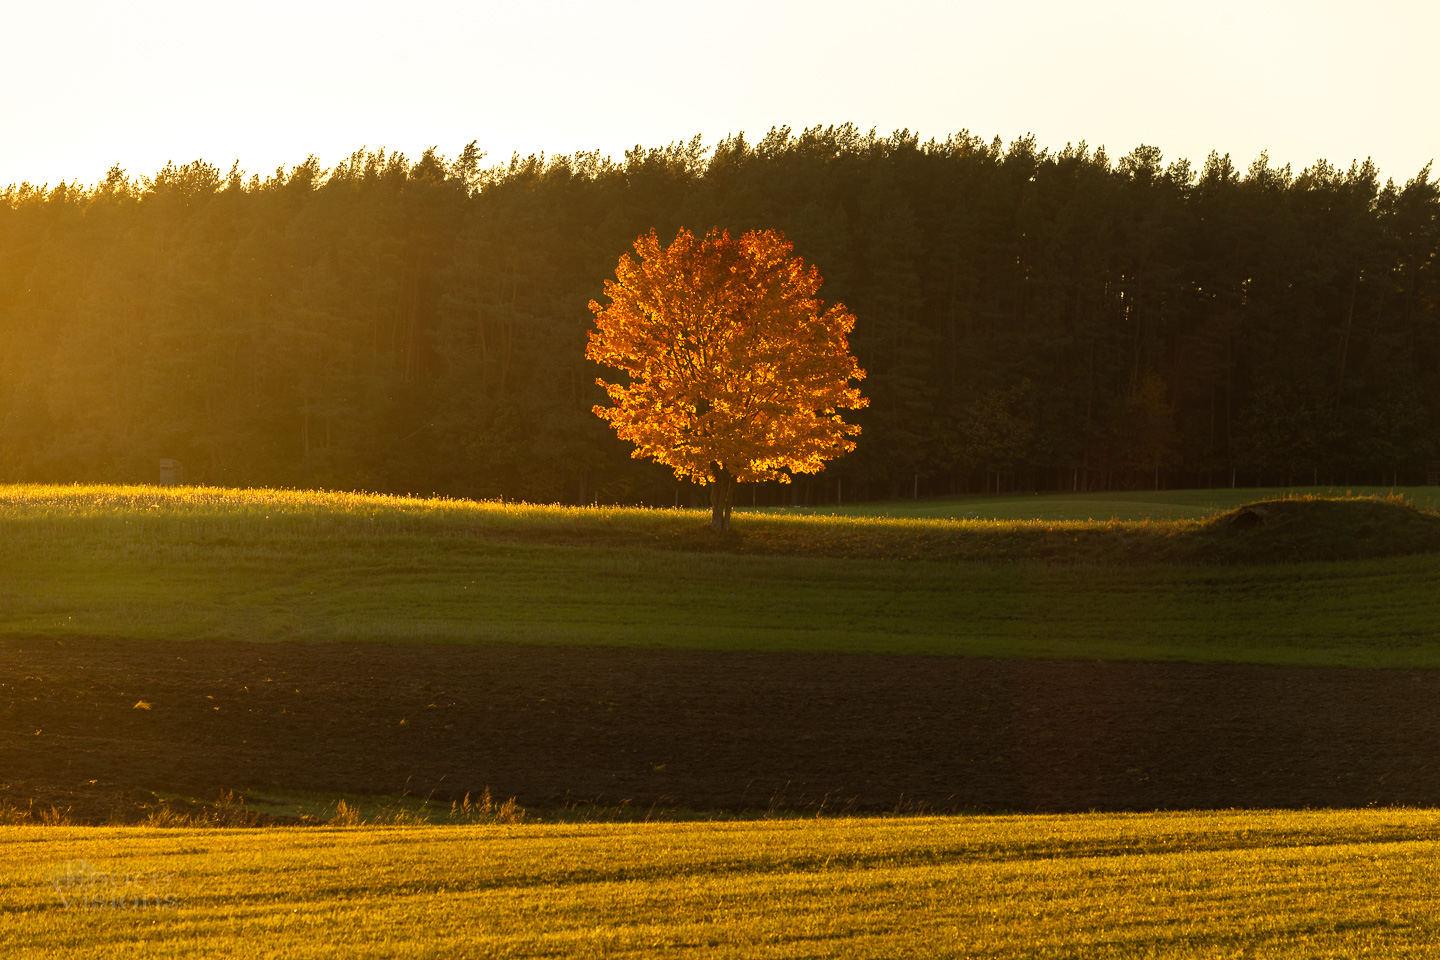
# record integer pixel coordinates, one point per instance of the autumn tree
(736, 370)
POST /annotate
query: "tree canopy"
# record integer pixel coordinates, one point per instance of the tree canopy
(736, 371)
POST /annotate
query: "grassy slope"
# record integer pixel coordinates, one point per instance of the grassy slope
(142, 563)
(1281, 884)
(1118, 505)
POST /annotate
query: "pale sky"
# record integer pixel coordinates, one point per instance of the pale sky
(85, 85)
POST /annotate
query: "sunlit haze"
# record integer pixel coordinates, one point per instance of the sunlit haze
(94, 84)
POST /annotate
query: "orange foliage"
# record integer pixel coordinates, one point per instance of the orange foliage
(736, 370)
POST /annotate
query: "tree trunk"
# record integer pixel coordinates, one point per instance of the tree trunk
(722, 493)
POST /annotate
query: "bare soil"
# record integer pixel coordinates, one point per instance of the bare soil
(703, 730)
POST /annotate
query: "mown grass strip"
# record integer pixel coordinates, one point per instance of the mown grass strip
(1368, 613)
(1282, 884)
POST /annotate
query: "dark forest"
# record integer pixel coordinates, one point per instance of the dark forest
(1029, 319)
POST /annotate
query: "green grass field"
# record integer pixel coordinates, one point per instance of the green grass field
(205, 564)
(1122, 505)
(1274, 884)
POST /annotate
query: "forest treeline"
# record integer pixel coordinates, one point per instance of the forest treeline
(1028, 318)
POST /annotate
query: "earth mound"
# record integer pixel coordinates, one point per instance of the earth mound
(1301, 529)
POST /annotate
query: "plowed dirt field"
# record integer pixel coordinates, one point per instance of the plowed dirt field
(94, 725)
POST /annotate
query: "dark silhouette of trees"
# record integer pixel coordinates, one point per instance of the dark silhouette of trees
(1028, 318)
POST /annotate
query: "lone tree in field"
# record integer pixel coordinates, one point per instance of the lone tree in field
(736, 370)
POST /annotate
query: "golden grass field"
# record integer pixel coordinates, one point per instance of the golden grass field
(1270, 883)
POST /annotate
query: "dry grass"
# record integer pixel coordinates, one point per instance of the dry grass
(1271, 884)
